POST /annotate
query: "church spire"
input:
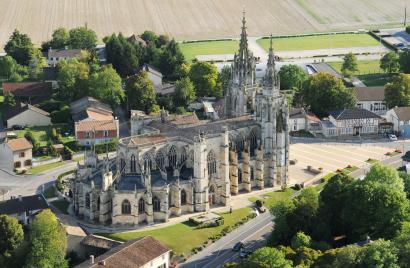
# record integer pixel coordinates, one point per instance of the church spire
(271, 76)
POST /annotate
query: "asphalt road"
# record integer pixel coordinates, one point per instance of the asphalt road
(253, 234)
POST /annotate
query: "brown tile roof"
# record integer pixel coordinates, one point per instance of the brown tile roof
(63, 53)
(403, 113)
(98, 114)
(369, 93)
(95, 125)
(29, 89)
(184, 119)
(19, 144)
(149, 139)
(134, 253)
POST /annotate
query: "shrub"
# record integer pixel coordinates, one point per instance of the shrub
(408, 29)
(61, 116)
(259, 203)
(110, 146)
(59, 181)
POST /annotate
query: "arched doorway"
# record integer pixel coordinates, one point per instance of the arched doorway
(211, 195)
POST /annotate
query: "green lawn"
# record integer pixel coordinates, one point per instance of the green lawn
(372, 80)
(50, 192)
(42, 168)
(190, 50)
(372, 161)
(347, 170)
(61, 205)
(41, 134)
(270, 199)
(319, 42)
(182, 237)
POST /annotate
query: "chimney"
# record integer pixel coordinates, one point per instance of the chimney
(20, 198)
(92, 259)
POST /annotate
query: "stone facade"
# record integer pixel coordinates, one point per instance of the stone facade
(173, 165)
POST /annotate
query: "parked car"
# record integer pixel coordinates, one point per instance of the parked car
(406, 156)
(17, 127)
(245, 254)
(392, 137)
(238, 246)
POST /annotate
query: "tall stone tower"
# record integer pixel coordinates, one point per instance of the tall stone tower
(272, 113)
(242, 78)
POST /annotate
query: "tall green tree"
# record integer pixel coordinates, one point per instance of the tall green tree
(72, 78)
(20, 48)
(389, 63)
(379, 253)
(83, 38)
(36, 65)
(11, 71)
(141, 93)
(11, 234)
(204, 75)
(349, 66)
(406, 181)
(397, 92)
(292, 76)
(402, 243)
(223, 79)
(169, 59)
(106, 85)
(267, 257)
(404, 60)
(9, 100)
(184, 92)
(48, 242)
(60, 38)
(324, 93)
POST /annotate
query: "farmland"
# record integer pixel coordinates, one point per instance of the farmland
(320, 42)
(190, 19)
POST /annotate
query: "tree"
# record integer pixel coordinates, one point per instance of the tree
(149, 36)
(169, 59)
(83, 38)
(402, 243)
(122, 54)
(48, 242)
(349, 256)
(404, 60)
(349, 66)
(386, 175)
(397, 92)
(72, 78)
(106, 85)
(292, 76)
(11, 234)
(389, 63)
(9, 100)
(268, 257)
(11, 71)
(300, 239)
(20, 48)
(141, 93)
(379, 253)
(204, 75)
(375, 207)
(223, 79)
(36, 65)
(184, 92)
(324, 93)
(406, 181)
(60, 38)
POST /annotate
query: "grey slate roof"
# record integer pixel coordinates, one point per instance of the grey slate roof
(27, 203)
(403, 113)
(355, 113)
(369, 93)
(63, 53)
(21, 107)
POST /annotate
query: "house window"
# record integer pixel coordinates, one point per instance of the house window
(211, 163)
(27, 163)
(126, 207)
(141, 206)
(105, 133)
(22, 154)
(88, 134)
(183, 197)
(17, 164)
(156, 204)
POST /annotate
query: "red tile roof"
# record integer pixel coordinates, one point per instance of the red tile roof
(19, 144)
(29, 89)
(96, 125)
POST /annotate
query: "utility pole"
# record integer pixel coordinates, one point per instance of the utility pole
(405, 15)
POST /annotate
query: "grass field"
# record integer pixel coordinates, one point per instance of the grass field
(61, 205)
(191, 50)
(319, 42)
(50, 192)
(42, 168)
(270, 199)
(182, 237)
(42, 134)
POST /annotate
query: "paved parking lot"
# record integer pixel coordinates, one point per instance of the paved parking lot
(330, 157)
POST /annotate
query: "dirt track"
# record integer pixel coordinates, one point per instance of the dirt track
(195, 19)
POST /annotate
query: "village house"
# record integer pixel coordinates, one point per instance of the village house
(371, 99)
(354, 122)
(90, 109)
(56, 55)
(154, 74)
(93, 132)
(300, 119)
(16, 154)
(24, 208)
(400, 118)
(141, 252)
(25, 114)
(29, 92)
